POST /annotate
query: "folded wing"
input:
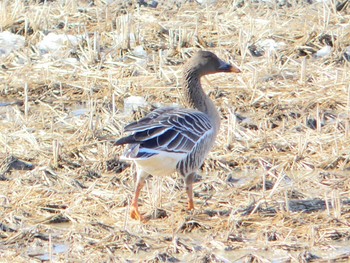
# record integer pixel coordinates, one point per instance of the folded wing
(169, 130)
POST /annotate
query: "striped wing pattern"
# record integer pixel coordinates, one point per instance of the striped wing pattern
(171, 130)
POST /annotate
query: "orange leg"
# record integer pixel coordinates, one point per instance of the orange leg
(189, 190)
(140, 182)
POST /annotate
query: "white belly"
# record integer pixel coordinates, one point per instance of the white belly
(162, 164)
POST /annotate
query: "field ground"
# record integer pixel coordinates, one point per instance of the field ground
(276, 188)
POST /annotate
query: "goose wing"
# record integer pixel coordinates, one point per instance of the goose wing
(168, 130)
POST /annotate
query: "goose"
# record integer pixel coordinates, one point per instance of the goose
(173, 139)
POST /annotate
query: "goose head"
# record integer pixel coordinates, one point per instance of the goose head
(206, 62)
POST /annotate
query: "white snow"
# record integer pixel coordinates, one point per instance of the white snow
(347, 53)
(133, 103)
(207, 2)
(10, 42)
(140, 52)
(54, 42)
(324, 52)
(270, 45)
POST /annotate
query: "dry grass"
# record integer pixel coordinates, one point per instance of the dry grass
(275, 187)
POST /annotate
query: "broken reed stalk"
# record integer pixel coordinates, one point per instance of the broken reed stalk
(303, 70)
(347, 121)
(26, 101)
(55, 152)
(318, 118)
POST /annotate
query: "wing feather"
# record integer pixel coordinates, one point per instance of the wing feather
(167, 130)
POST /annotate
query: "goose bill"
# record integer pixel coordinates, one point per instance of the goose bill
(225, 67)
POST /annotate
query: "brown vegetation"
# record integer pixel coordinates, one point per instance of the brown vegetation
(276, 185)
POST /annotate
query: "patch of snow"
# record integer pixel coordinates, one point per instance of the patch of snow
(141, 56)
(324, 52)
(80, 112)
(347, 53)
(133, 103)
(270, 45)
(207, 2)
(10, 42)
(108, 2)
(139, 51)
(54, 42)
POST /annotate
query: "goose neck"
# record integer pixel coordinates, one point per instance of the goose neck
(196, 97)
